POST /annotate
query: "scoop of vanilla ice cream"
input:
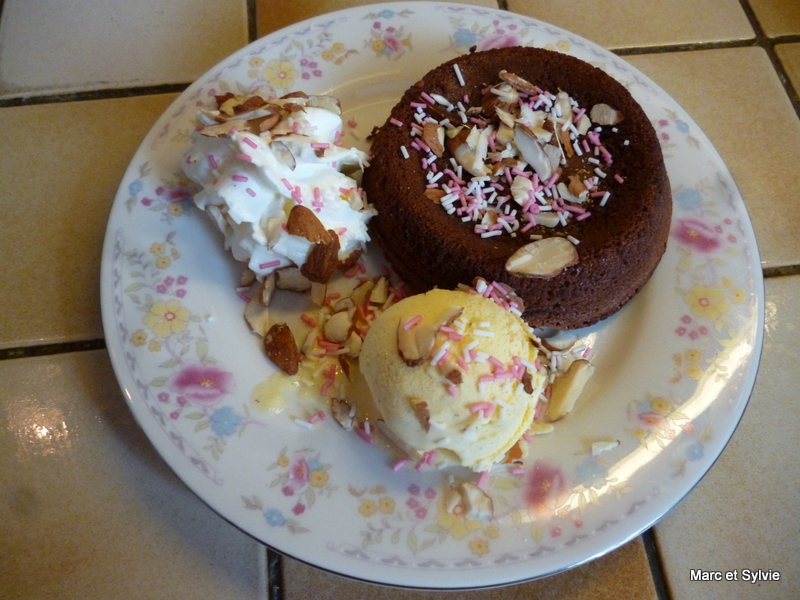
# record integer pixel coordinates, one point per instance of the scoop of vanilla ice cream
(250, 182)
(476, 391)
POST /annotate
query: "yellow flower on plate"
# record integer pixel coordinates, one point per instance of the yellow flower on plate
(167, 318)
(139, 337)
(479, 546)
(367, 507)
(707, 301)
(162, 262)
(318, 478)
(154, 346)
(327, 55)
(660, 406)
(338, 47)
(158, 248)
(280, 73)
(738, 295)
(175, 209)
(378, 45)
(386, 505)
(693, 355)
(454, 523)
(283, 460)
(256, 62)
(694, 371)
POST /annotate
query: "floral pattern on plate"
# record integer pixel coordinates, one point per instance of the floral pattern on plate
(189, 364)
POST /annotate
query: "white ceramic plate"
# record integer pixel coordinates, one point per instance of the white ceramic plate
(675, 367)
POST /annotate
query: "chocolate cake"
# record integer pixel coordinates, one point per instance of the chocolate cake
(495, 160)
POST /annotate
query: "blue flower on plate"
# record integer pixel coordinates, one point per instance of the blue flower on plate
(386, 14)
(695, 451)
(464, 37)
(682, 126)
(274, 517)
(135, 187)
(689, 199)
(224, 421)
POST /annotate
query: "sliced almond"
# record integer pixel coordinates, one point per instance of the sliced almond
(407, 346)
(290, 278)
(434, 194)
(421, 411)
(567, 388)
(603, 114)
(560, 341)
(330, 103)
(283, 154)
(396, 441)
(362, 291)
(353, 344)
(539, 428)
(343, 413)
(604, 446)
(281, 348)
(223, 129)
(533, 152)
(319, 292)
(449, 315)
(257, 316)
(304, 223)
(345, 304)
(337, 328)
(322, 259)
(247, 278)
(543, 258)
(266, 290)
(433, 136)
(478, 504)
(380, 293)
(523, 85)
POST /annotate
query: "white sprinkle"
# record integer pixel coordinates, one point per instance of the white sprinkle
(440, 99)
(305, 424)
(459, 75)
(403, 151)
(600, 173)
(574, 240)
(435, 424)
(594, 161)
(484, 324)
(440, 353)
(367, 428)
(495, 233)
(604, 199)
(483, 333)
(626, 142)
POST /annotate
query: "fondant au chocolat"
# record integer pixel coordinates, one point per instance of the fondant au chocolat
(440, 230)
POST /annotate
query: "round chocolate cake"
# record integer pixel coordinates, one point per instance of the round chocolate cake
(529, 168)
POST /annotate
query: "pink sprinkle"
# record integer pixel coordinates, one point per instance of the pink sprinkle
(364, 435)
(444, 358)
(310, 321)
(212, 161)
(251, 192)
(428, 457)
(322, 145)
(249, 142)
(587, 353)
(352, 123)
(495, 361)
(482, 479)
(462, 363)
(619, 177)
(243, 297)
(452, 390)
(325, 387)
(578, 115)
(396, 122)
(583, 216)
(399, 464)
(270, 264)
(526, 436)
(418, 105)
(286, 183)
(296, 127)
(427, 97)
(412, 322)
(240, 178)
(517, 471)
(244, 157)
(553, 178)
(322, 416)
(313, 418)
(341, 230)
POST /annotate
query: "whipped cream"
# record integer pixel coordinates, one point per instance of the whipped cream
(251, 179)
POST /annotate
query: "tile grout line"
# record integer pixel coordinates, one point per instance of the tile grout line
(656, 564)
(768, 44)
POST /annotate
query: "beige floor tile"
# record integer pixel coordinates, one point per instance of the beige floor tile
(789, 55)
(61, 165)
(614, 24)
(761, 146)
(272, 15)
(119, 44)
(89, 510)
(620, 575)
(777, 17)
(744, 513)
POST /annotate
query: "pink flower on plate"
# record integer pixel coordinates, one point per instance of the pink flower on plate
(202, 384)
(546, 488)
(500, 40)
(697, 234)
